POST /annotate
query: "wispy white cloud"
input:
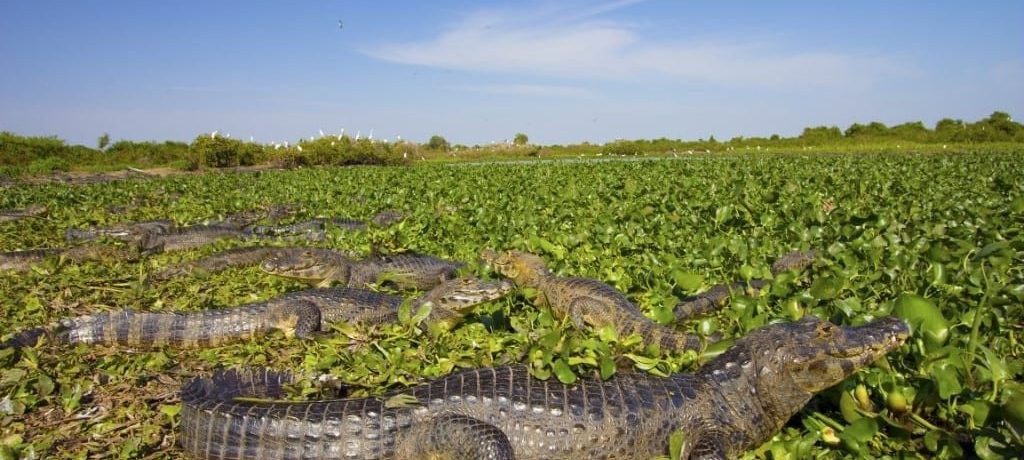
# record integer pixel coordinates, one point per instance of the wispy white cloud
(579, 44)
(529, 90)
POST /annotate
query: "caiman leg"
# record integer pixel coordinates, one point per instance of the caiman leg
(455, 437)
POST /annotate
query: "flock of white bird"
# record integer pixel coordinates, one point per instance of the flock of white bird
(285, 144)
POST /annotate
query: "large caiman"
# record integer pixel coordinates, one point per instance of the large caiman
(300, 313)
(731, 405)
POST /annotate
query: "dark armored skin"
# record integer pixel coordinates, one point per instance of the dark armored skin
(732, 404)
(299, 313)
(234, 257)
(11, 215)
(132, 232)
(712, 299)
(316, 229)
(403, 271)
(163, 235)
(24, 260)
(586, 301)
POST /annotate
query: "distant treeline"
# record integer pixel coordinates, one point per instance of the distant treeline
(33, 155)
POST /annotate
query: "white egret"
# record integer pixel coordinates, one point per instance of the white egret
(213, 135)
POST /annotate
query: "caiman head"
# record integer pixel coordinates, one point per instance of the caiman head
(452, 299)
(309, 264)
(790, 362)
(522, 267)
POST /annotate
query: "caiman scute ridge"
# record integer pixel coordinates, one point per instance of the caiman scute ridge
(732, 404)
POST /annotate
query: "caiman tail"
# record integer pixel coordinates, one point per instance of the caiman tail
(667, 338)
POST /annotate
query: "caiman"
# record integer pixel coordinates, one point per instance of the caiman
(731, 405)
(403, 271)
(229, 258)
(316, 229)
(131, 232)
(11, 215)
(153, 235)
(712, 299)
(191, 237)
(25, 259)
(300, 313)
(586, 300)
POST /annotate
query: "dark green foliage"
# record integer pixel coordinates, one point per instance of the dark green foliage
(20, 150)
(521, 139)
(145, 153)
(821, 134)
(438, 142)
(330, 151)
(217, 151)
(623, 148)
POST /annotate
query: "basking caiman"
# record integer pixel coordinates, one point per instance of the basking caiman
(229, 258)
(732, 404)
(586, 300)
(297, 314)
(163, 235)
(11, 215)
(403, 271)
(316, 229)
(712, 299)
(25, 259)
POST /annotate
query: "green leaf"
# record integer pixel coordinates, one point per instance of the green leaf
(170, 410)
(858, 433)
(607, 368)
(422, 313)
(563, 372)
(687, 281)
(924, 319)
(826, 288)
(677, 444)
(947, 378)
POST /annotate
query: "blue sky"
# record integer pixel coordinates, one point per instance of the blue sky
(477, 71)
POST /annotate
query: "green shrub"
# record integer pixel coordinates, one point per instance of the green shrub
(623, 147)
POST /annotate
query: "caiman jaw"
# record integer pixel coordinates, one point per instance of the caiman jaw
(466, 292)
(306, 267)
(833, 353)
